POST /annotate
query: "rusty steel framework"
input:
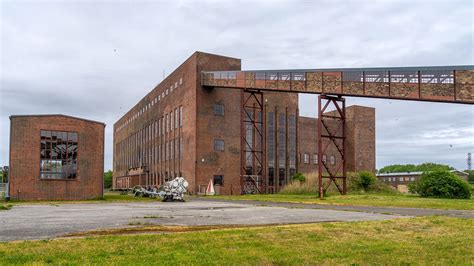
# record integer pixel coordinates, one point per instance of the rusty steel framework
(449, 84)
(252, 143)
(331, 132)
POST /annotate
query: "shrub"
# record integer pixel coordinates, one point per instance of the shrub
(441, 184)
(366, 180)
(108, 179)
(309, 186)
(298, 177)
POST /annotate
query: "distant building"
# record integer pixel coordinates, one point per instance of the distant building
(401, 180)
(183, 129)
(55, 157)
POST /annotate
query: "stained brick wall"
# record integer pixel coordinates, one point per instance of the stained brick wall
(25, 182)
(360, 142)
(200, 161)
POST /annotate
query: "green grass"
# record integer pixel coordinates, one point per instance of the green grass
(428, 240)
(389, 200)
(5, 207)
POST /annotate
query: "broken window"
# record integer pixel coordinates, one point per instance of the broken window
(58, 155)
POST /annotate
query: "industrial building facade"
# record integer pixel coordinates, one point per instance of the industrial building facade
(183, 129)
(55, 157)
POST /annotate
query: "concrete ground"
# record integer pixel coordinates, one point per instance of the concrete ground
(371, 209)
(38, 221)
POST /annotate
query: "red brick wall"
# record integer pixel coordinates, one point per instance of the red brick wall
(183, 95)
(25, 159)
(360, 142)
(210, 127)
(201, 127)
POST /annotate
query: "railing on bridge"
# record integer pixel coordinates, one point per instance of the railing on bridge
(443, 84)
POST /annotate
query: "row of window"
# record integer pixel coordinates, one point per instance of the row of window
(429, 76)
(156, 142)
(423, 76)
(152, 103)
(58, 154)
(400, 179)
(306, 159)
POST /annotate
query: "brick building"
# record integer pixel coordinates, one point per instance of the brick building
(401, 180)
(55, 157)
(183, 129)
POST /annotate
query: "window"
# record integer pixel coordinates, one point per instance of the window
(219, 180)
(171, 121)
(58, 155)
(218, 145)
(175, 84)
(180, 81)
(412, 178)
(167, 91)
(400, 179)
(218, 109)
(176, 116)
(332, 159)
(324, 158)
(180, 116)
(315, 159)
(171, 150)
(306, 158)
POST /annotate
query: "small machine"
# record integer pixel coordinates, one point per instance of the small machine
(173, 190)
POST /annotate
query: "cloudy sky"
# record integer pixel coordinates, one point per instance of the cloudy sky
(96, 59)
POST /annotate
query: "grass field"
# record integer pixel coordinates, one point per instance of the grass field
(395, 200)
(428, 240)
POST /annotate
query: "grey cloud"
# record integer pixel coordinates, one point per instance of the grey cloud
(97, 59)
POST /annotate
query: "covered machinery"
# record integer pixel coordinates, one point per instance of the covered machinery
(173, 190)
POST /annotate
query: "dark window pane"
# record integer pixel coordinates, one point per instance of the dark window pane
(219, 180)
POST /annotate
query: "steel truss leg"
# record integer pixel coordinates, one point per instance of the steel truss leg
(253, 170)
(331, 137)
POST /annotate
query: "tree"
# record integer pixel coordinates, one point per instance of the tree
(424, 167)
(470, 178)
(108, 179)
(441, 184)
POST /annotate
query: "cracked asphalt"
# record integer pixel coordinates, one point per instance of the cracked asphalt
(43, 221)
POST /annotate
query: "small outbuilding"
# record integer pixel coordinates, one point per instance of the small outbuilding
(55, 157)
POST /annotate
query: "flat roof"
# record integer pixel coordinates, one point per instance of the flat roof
(410, 68)
(67, 116)
(414, 173)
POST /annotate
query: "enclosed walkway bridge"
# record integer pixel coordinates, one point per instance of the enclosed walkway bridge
(448, 84)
